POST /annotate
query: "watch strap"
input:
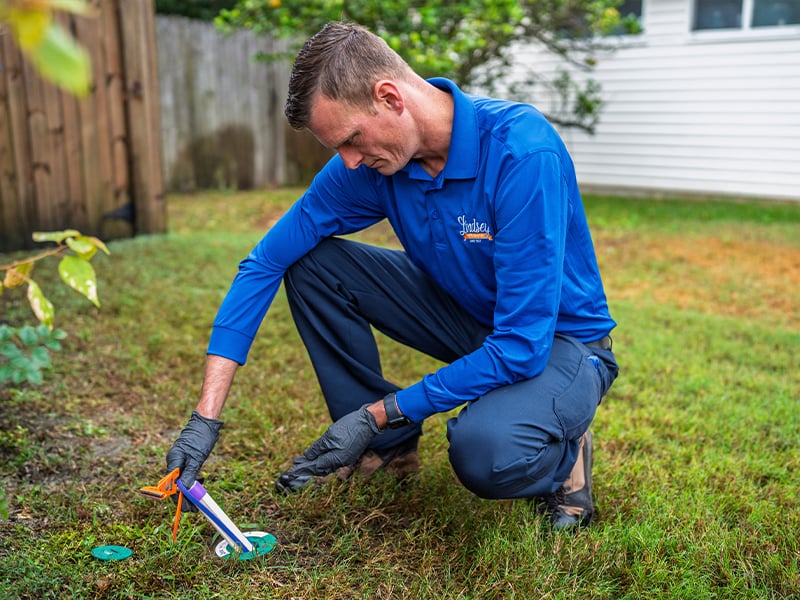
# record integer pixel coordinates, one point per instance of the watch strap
(394, 418)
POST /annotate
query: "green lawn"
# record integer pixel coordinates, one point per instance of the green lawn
(697, 470)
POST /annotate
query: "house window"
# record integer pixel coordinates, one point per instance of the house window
(771, 13)
(744, 14)
(630, 7)
(717, 14)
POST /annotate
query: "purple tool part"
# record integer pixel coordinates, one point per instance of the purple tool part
(195, 493)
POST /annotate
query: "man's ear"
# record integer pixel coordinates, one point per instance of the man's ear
(388, 95)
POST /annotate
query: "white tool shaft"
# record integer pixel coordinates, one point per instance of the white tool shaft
(198, 496)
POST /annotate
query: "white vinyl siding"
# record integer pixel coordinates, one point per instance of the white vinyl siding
(707, 112)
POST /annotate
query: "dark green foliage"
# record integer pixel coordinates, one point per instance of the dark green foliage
(204, 10)
(25, 352)
(470, 42)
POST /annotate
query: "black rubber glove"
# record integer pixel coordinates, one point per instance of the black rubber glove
(192, 448)
(343, 444)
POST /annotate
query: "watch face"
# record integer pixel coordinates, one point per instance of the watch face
(400, 421)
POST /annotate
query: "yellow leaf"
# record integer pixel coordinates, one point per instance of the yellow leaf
(61, 60)
(29, 26)
(16, 276)
(99, 244)
(41, 306)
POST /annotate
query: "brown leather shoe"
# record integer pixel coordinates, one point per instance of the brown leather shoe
(398, 461)
(571, 506)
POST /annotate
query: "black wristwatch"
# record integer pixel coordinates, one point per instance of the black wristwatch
(394, 418)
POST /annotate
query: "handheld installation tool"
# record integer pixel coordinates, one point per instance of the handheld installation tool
(197, 495)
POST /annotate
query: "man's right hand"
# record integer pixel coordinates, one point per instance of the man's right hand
(192, 447)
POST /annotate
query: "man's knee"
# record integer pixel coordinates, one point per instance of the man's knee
(315, 274)
(312, 261)
(492, 466)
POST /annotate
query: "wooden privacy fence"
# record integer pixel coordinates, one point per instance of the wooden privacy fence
(222, 111)
(92, 164)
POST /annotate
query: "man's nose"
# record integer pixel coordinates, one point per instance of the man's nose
(351, 157)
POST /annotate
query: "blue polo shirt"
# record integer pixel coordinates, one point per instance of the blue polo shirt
(502, 229)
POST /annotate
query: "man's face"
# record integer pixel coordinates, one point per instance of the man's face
(380, 140)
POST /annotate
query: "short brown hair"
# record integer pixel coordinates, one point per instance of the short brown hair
(342, 61)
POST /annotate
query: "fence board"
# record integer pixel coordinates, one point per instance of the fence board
(114, 80)
(90, 117)
(67, 163)
(141, 84)
(54, 118)
(21, 203)
(9, 210)
(36, 123)
(76, 211)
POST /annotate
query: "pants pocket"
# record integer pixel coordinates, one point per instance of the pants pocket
(576, 405)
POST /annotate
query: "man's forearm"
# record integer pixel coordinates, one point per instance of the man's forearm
(216, 384)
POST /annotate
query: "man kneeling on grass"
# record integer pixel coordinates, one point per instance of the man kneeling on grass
(498, 278)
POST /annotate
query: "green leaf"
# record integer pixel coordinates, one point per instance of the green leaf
(20, 363)
(5, 373)
(28, 336)
(82, 246)
(54, 236)
(58, 334)
(42, 307)
(61, 60)
(78, 274)
(34, 376)
(53, 345)
(10, 350)
(17, 376)
(40, 357)
(6, 333)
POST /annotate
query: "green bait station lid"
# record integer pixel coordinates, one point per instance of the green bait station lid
(263, 543)
(111, 552)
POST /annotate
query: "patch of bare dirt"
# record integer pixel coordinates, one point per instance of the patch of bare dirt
(739, 278)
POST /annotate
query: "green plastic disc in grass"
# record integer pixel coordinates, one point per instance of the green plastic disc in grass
(111, 552)
(263, 543)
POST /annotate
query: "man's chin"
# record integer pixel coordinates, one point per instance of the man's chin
(385, 168)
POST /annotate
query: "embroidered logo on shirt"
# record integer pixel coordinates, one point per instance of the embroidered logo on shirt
(474, 231)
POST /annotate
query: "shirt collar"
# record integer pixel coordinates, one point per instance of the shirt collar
(464, 151)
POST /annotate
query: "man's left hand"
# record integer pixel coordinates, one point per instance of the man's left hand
(343, 444)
